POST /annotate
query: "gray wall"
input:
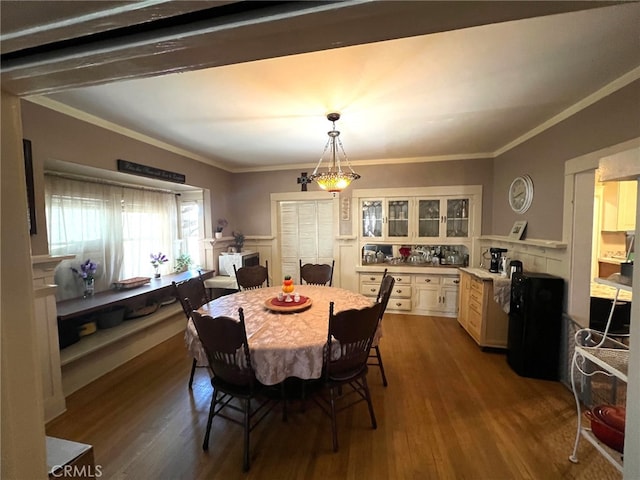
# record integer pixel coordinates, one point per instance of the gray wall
(60, 137)
(612, 120)
(253, 189)
(244, 198)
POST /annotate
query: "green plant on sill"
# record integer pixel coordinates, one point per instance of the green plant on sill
(238, 238)
(182, 263)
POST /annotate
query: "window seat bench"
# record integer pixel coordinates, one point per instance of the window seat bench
(98, 353)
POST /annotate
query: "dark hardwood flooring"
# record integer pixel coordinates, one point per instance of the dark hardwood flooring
(451, 411)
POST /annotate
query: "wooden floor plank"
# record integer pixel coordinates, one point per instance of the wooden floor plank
(450, 411)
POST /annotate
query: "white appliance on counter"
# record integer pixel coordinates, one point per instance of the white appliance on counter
(226, 261)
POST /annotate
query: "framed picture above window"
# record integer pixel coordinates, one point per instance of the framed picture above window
(31, 199)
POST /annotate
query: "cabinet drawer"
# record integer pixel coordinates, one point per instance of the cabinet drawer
(403, 304)
(369, 289)
(401, 291)
(371, 278)
(475, 306)
(452, 281)
(402, 279)
(475, 296)
(474, 322)
(477, 285)
(427, 279)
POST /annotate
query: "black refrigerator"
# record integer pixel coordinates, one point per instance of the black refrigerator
(535, 325)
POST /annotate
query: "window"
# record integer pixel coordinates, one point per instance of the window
(191, 223)
(117, 227)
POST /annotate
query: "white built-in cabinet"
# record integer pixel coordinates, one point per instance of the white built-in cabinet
(448, 214)
(432, 292)
(446, 217)
(400, 299)
(386, 219)
(436, 294)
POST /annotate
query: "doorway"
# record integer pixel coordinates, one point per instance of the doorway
(305, 232)
(305, 225)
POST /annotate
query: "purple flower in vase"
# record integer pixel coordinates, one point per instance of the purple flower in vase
(87, 270)
(158, 259)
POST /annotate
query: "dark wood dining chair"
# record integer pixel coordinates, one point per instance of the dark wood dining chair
(317, 274)
(345, 362)
(375, 358)
(249, 278)
(384, 274)
(191, 294)
(225, 341)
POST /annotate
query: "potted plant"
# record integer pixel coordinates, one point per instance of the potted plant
(238, 238)
(222, 223)
(182, 263)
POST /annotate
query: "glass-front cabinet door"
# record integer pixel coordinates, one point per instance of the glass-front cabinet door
(386, 219)
(418, 219)
(429, 218)
(457, 222)
(372, 218)
(398, 218)
(443, 218)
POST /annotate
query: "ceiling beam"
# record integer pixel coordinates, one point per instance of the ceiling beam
(277, 29)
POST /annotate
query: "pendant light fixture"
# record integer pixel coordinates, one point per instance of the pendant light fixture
(334, 179)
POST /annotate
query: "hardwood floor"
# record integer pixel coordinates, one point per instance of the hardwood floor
(450, 411)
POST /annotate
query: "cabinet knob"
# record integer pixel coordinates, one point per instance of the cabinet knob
(427, 280)
(398, 279)
(398, 304)
(372, 290)
(372, 278)
(456, 281)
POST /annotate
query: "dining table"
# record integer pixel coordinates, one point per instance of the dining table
(285, 340)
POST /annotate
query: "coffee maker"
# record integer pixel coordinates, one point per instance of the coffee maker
(496, 259)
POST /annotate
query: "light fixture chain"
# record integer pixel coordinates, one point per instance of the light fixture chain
(315, 171)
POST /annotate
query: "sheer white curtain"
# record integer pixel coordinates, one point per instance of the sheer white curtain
(116, 227)
(149, 226)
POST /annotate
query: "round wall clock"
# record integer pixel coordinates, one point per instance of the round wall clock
(521, 193)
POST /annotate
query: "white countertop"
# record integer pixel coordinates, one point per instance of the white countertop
(614, 260)
(604, 291)
(482, 274)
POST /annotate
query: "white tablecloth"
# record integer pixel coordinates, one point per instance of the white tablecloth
(282, 344)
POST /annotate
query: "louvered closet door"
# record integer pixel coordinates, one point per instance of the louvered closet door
(306, 232)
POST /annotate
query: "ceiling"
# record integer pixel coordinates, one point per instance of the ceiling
(470, 84)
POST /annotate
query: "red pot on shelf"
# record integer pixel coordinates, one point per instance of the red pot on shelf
(610, 435)
(612, 415)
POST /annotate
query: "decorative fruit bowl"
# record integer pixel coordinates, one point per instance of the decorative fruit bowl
(281, 305)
